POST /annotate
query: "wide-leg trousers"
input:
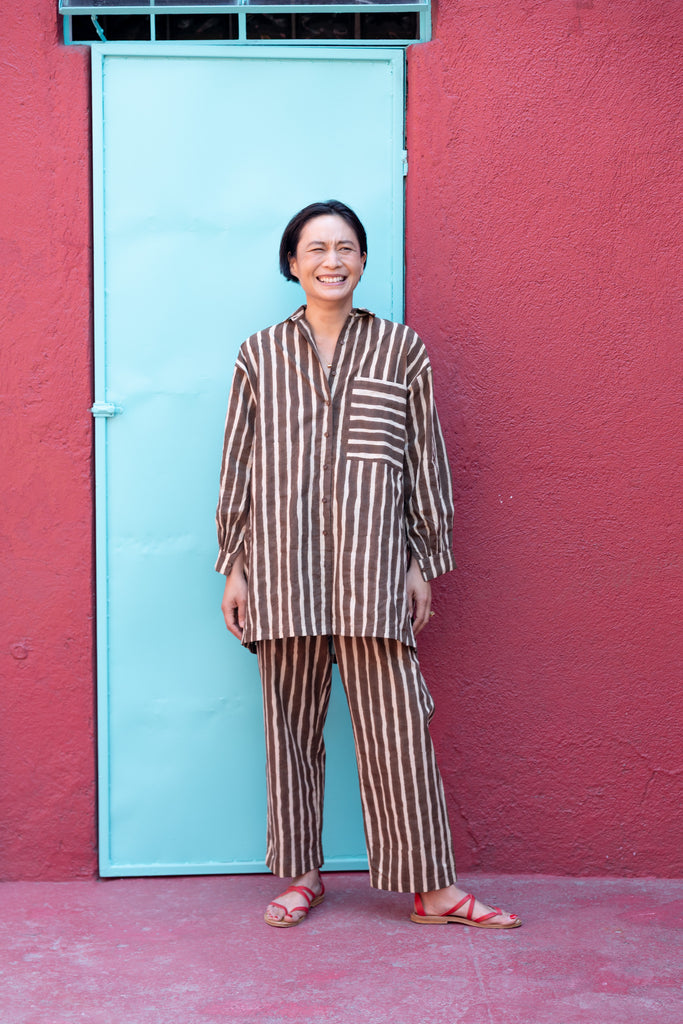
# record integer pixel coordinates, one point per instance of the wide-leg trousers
(406, 822)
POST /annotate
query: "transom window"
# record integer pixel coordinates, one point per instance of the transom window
(396, 22)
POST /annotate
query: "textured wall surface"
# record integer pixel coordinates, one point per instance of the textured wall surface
(543, 262)
(47, 757)
(542, 250)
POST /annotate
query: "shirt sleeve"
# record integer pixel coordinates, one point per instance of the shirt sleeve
(233, 503)
(429, 491)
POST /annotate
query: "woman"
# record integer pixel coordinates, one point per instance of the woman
(335, 511)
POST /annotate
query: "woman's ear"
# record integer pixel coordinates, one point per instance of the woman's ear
(292, 265)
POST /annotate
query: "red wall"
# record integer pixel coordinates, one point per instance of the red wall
(541, 254)
(544, 273)
(47, 756)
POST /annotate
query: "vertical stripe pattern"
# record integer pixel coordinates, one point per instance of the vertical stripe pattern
(328, 483)
(406, 823)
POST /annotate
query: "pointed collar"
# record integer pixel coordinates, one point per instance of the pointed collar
(301, 313)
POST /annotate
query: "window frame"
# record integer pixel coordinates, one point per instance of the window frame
(243, 9)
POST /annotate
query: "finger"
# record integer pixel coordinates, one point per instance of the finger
(232, 621)
(237, 619)
(422, 608)
(427, 611)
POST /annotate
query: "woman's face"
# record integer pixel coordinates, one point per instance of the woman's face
(328, 260)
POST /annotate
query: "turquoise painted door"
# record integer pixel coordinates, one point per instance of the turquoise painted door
(201, 155)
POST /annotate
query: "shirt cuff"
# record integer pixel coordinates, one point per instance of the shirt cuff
(226, 560)
(435, 565)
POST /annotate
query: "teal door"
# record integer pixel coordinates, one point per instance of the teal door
(201, 155)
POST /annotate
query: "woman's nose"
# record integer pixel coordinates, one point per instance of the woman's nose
(332, 258)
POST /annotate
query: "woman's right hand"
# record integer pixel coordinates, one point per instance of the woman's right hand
(234, 601)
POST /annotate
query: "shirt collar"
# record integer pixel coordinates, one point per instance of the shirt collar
(301, 313)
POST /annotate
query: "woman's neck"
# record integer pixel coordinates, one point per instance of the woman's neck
(327, 322)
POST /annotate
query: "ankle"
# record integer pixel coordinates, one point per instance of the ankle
(311, 879)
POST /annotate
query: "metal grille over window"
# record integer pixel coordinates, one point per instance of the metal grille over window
(396, 22)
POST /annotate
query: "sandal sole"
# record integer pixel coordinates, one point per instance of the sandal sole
(455, 919)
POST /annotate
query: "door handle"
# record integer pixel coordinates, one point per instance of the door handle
(106, 409)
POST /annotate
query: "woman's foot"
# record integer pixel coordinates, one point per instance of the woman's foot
(455, 905)
(293, 904)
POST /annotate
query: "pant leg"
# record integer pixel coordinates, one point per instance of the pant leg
(296, 674)
(406, 822)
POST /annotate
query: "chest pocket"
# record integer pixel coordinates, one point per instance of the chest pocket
(377, 420)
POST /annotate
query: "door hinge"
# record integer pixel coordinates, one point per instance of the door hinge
(106, 409)
(404, 162)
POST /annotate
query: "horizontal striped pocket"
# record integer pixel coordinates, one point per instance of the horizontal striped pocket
(377, 420)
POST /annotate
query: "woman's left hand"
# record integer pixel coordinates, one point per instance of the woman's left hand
(419, 596)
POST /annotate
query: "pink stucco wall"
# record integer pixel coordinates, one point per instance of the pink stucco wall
(544, 269)
(47, 754)
(541, 252)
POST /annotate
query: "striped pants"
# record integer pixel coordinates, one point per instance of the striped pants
(406, 823)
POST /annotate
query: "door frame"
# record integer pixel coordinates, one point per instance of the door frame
(104, 409)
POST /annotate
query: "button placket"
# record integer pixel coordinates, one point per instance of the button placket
(326, 470)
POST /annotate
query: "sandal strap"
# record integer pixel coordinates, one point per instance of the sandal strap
(465, 899)
(470, 910)
(485, 917)
(453, 912)
(304, 891)
(288, 913)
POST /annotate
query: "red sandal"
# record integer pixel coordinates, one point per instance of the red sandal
(419, 915)
(311, 901)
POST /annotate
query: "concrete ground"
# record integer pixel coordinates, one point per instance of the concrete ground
(196, 951)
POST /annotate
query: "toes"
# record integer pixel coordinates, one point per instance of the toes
(504, 917)
(279, 914)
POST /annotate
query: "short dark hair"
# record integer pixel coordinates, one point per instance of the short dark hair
(292, 233)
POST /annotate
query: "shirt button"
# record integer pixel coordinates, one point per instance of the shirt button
(327, 402)
(326, 434)
(324, 500)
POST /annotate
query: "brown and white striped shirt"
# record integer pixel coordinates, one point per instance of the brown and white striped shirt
(328, 484)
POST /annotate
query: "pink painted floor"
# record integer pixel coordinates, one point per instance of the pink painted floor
(196, 951)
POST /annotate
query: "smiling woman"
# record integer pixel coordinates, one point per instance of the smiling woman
(292, 233)
(324, 249)
(335, 512)
(328, 266)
